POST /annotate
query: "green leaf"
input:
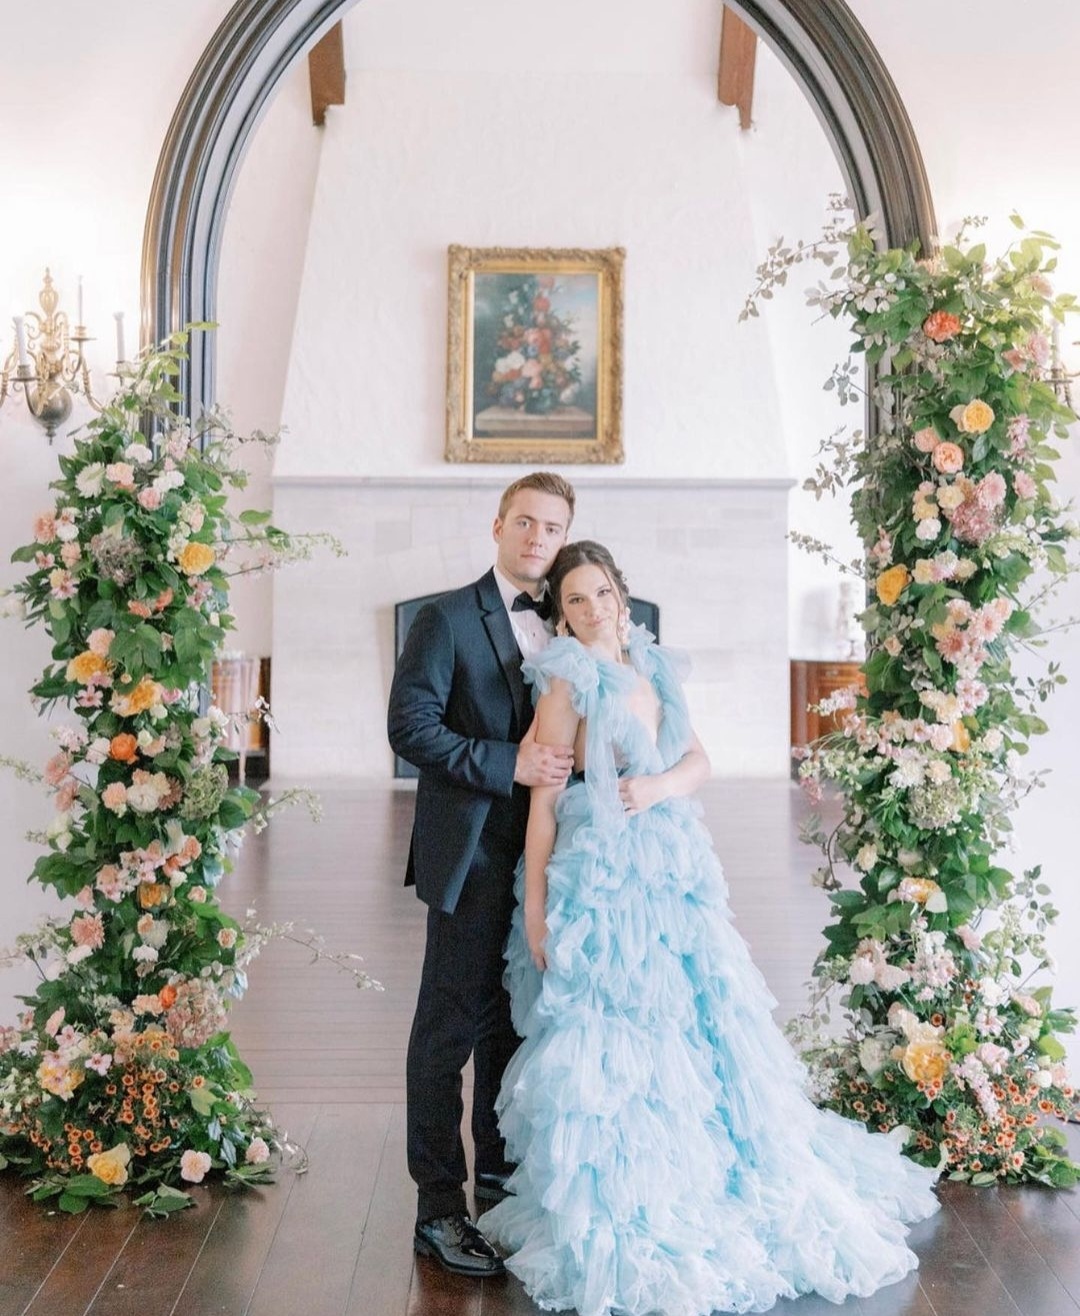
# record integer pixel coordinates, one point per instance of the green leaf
(253, 516)
(202, 1100)
(72, 1203)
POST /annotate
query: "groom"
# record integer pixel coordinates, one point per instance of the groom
(459, 711)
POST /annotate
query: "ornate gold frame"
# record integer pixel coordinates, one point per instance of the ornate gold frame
(604, 445)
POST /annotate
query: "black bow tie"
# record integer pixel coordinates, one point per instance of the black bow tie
(526, 603)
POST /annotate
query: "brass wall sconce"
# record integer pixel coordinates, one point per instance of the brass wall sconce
(47, 361)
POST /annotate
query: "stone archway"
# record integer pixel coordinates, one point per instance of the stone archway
(820, 41)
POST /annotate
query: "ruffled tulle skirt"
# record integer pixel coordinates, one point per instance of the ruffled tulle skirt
(668, 1159)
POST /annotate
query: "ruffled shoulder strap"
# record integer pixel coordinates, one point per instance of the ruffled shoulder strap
(667, 669)
(564, 657)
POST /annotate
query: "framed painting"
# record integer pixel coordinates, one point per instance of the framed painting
(534, 355)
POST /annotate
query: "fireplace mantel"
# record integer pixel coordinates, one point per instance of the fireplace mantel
(711, 553)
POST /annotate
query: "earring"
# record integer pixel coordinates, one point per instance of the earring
(622, 630)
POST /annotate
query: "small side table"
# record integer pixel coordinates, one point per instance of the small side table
(811, 680)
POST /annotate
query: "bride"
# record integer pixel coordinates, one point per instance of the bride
(667, 1158)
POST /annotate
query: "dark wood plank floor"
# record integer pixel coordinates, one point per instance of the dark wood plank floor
(336, 1241)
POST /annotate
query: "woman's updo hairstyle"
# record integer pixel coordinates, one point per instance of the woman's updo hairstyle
(585, 552)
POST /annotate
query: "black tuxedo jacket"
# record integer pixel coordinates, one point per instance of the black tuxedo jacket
(458, 708)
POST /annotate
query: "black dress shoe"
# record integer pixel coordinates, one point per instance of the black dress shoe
(492, 1187)
(457, 1245)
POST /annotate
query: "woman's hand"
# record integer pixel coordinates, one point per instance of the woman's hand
(536, 930)
(636, 794)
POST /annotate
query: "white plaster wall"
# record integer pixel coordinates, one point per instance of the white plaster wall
(262, 262)
(450, 135)
(86, 94)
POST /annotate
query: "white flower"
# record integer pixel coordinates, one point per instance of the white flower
(862, 969)
(992, 992)
(143, 797)
(144, 955)
(1044, 1079)
(928, 529)
(66, 532)
(992, 740)
(867, 857)
(91, 480)
(873, 1055)
(138, 454)
(227, 938)
(168, 480)
(891, 976)
(78, 953)
(938, 771)
(98, 750)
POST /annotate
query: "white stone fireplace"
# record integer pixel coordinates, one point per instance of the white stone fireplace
(711, 553)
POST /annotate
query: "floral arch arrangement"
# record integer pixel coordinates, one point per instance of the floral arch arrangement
(931, 953)
(120, 1071)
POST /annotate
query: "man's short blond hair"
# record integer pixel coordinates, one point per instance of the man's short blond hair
(543, 482)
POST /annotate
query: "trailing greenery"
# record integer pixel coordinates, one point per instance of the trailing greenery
(120, 1071)
(931, 950)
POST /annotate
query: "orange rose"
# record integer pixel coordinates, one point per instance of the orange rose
(124, 748)
(145, 695)
(85, 666)
(152, 894)
(941, 326)
(167, 996)
(195, 558)
(892, 583)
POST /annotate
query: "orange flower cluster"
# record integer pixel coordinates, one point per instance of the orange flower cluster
(940, 326)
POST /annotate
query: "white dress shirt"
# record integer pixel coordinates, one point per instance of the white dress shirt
(531, 633)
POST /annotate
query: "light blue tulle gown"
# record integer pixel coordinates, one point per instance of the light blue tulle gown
(668, 1159)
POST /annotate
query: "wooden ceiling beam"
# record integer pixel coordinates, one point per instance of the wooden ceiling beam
(326, 68)
(738, 51)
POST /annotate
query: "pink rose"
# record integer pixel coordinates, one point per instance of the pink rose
(98, 641)
(150, 499)
(991, 490)
(926, 440)
(194, 1166)
(122, 474)
(257, 1152)
(114, 797)
(1024, 485)
(948, 458)
(70, 554)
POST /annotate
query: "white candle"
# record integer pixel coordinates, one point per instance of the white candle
(118, 316)
(20, 340)
(79, 320)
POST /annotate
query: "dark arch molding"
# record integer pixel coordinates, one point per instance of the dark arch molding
(820, 41)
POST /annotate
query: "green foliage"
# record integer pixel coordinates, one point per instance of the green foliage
(120, 1067)
(930, 953)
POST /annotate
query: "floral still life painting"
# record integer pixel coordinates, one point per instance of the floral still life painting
(534, 360)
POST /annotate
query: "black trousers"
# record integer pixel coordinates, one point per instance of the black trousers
(462, 1009)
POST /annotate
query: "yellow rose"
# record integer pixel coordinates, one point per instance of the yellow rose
(925, 1062)
(86, 665)
(195, 558)
(892, 583)
(924, 572)
(975, 418)
(917, 889)
(111, 1166)
(961, 739)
